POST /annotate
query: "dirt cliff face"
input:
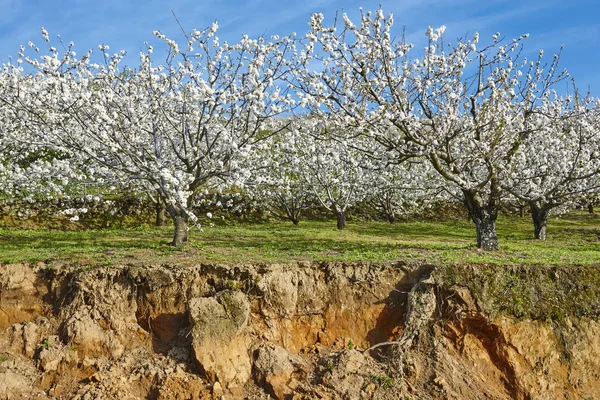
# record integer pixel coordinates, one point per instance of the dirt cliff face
(304, 330)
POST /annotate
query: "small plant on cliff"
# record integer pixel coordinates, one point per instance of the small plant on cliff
(330, 366)
(234, 285)
(44, 344)
(382, 381)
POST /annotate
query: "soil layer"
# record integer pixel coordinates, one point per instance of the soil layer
(295, 331)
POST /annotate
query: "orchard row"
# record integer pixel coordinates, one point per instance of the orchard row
(344, 114)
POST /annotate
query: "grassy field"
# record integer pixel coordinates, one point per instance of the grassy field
(573, 240)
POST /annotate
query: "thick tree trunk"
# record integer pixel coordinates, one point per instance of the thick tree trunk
(486, 233)
(295, 221)
(391, 219)
(591, 208)
(484, 218)
(180, 222)
(180, 234)
(540, 220)
(341, 220)
(521, 211)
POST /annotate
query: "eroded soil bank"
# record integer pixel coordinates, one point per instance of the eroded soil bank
(331, 331)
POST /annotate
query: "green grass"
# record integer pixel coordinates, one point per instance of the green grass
(572, 240)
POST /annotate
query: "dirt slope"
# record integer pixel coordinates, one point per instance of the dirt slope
(329, 331)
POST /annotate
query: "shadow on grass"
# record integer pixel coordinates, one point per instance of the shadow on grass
(414, 230)
(345, 242)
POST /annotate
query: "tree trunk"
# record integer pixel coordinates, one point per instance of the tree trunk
(180, 235)
(521, 211)
(180, 222)
(540, 220)
(294, 216)
(388, 210)
(160, 213)
(591, 208)
(341, 220)
(484, 218)
(486, 233)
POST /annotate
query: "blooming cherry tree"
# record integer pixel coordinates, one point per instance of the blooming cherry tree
(330, 165)
(278, 182)
(398, 190)
(29, 167)
(174, 128)
(558, 163)
(464, 108)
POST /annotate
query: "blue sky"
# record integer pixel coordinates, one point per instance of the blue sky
(126, 24)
